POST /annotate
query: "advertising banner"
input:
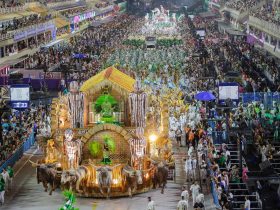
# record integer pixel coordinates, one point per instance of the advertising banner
(30, 32)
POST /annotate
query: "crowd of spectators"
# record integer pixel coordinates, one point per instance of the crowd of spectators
(10, 3)
(93, 45)
(18, 127)
(242, 5)
(19, 23)
(267, 12)
(222, 55)
(102, 4)
(214, 56)
(53, 1)
(32, 43)
(72, 12)
(61, 31)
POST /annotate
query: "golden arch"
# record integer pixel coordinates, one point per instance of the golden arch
(103, 127)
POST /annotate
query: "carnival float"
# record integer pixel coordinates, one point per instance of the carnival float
(107, 140)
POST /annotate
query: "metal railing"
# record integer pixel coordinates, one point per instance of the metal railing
(34, 26)
(220, 137)
(267, 98)
(19, 152)
(11, 34)
(264, 25)
(6, 36)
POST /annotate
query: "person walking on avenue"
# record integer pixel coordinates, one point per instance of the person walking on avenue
(247, 205)
(151, 204)
(10, 171)
(182, 204)
(195, 191)
(6, 178)
(2, 190)
(199, 201)
(178, 136)
(194, 164)
(186, 195)
(188, 168)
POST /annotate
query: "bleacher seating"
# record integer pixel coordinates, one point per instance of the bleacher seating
(275, 161)
(239, 190)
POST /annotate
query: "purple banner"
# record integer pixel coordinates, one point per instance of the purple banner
(251, 39)
(81, 17)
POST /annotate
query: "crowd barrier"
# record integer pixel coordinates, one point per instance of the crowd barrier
(267, 98)
(220, 137)
(19, 152)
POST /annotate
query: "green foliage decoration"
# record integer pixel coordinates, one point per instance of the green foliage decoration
(95, 149)
(101, 99)
(110, 142)
(70, 200)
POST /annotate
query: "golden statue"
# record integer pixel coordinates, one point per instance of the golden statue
(51, 153)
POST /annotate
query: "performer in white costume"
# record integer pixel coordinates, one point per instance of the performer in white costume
(195, 191)
(186, 195)
(188, 168)
(194, 165)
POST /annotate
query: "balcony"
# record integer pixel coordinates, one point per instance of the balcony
(233, 13)
(242, 13)
(265, 26)
(12, 9)
(28, 31)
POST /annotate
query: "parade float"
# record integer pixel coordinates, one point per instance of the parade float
(100, 139)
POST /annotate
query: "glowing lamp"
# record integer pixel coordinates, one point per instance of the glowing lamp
(147, 175)
(115, 181)
(153, 137)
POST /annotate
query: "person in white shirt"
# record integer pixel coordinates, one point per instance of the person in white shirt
(227, 154)
(247, 205)
(190, 151)
(186, 195)
(182, 204)
(203, 170)
(151, 204)
(200, 198)
(195, 191)
(194, 161)
(188, 168)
